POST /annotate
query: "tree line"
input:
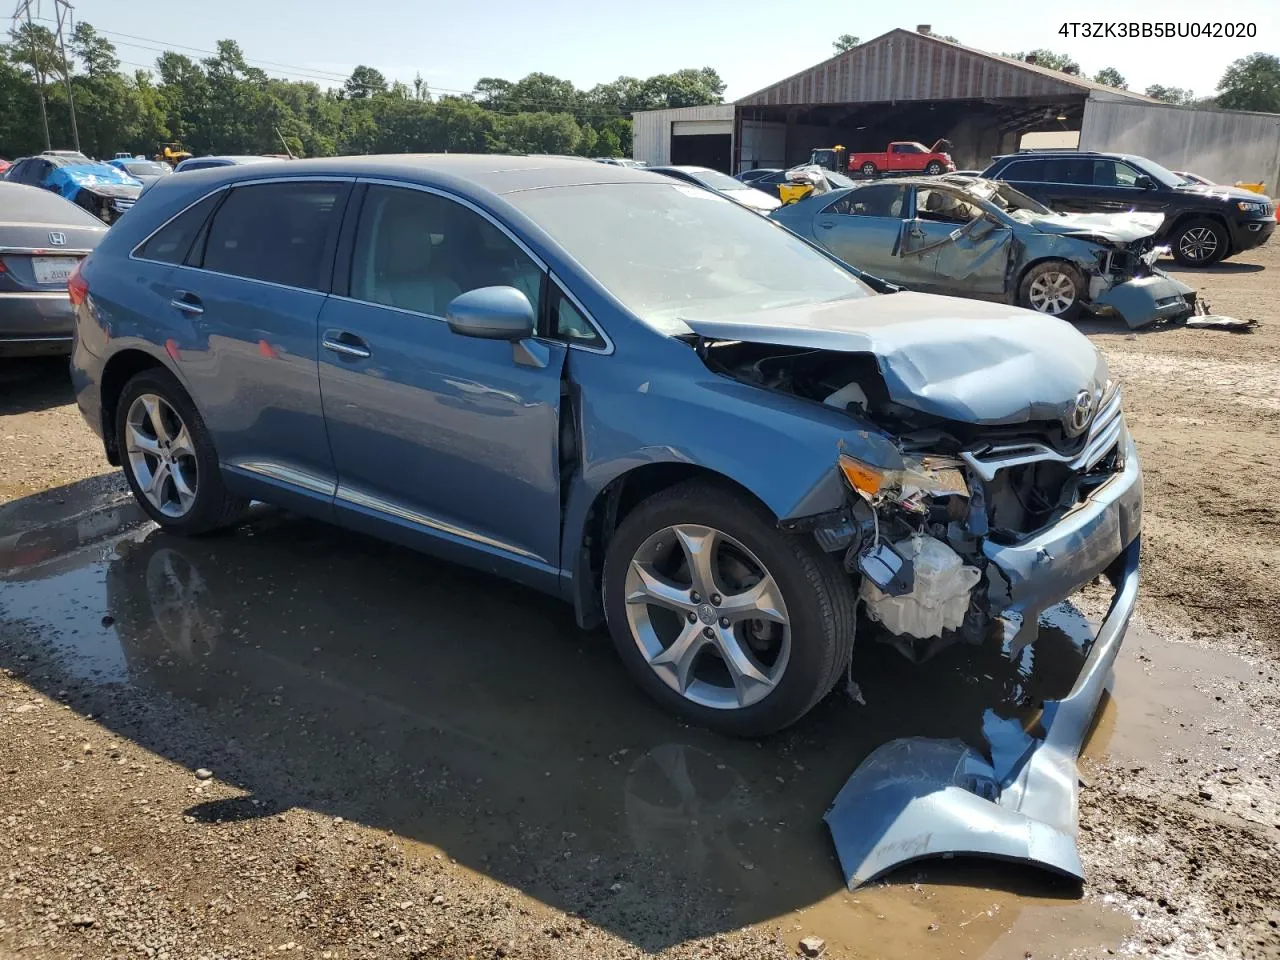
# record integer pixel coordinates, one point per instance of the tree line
(223, 104)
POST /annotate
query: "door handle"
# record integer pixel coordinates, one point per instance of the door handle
(826, 224)
(918, 234)
(187, 302)
(345, 344)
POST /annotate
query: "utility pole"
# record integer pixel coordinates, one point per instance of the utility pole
(24, 8)
(64, 9)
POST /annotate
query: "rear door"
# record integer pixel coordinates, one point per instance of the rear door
(864, 228)
(244, 307)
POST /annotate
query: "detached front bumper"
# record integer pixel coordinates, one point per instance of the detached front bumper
(1027, 578)
(1015, 796)
(1148, 299)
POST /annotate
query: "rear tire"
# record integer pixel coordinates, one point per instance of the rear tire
(168, 457)
(1055, 288)
(797, 658)
(868, 169)
(1199, 243)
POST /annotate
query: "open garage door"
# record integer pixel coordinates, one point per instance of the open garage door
(702, 143)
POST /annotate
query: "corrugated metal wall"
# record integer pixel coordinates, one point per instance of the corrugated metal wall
(1223, 145)
(905, 66)
(651, 129)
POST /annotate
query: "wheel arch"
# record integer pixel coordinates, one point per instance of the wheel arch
(609, 506)
(123, 366)
(1056, 257)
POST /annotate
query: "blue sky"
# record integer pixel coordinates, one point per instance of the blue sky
(751, 43)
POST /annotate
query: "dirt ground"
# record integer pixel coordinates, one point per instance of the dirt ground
(408, 760)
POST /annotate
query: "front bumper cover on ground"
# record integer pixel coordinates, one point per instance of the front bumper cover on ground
(1148, 299)
(915, 797)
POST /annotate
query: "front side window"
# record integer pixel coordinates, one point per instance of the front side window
(277, 232)
(882, 200)
(943, 206)
(1114, 173)
(417, 251)
(670, 253)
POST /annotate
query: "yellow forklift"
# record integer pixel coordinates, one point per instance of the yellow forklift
(172, 154)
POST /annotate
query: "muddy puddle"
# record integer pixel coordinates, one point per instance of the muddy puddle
(471, 717)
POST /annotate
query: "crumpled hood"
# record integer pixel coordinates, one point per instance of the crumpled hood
(963, 360)
(1118, 227)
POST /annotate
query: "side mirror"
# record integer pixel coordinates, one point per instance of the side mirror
(1143, 182)
(491, 313)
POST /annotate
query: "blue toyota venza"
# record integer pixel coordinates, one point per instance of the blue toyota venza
(626, 391)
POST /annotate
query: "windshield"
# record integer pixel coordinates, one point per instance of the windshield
(148, 168)
(671, 252)
(1166, 178)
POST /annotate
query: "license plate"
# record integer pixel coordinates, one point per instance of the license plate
(53, 269)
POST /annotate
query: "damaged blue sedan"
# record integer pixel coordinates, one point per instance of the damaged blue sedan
(968, 237)
(696, 427)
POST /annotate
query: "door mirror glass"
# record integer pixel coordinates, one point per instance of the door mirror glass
(1143, 182)
(491, 313)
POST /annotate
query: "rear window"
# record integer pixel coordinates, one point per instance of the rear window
(171, 242)
(1030, 171)
(276, 232)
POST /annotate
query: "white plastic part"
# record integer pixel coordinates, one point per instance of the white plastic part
(850, 393)
(939, 599)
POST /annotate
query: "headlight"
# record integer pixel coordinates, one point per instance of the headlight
(932, 476)
(1250, 206)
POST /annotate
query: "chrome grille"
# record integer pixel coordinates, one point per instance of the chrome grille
(1104, 433)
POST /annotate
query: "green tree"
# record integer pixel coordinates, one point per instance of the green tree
(539, 132)
(1251, 83)
(685, 88)
(608, 145)
(844, 42)
(1047, 58)
(1111, 77)
(1170, 94)
(95, 52)
(587, 141)
(365, 82)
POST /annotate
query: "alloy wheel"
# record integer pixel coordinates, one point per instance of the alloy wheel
(161, 455)
(1052, 292)
(707, 616)
(1198, 244)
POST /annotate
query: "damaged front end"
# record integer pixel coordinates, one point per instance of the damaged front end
(979, 526)
(1129, 284)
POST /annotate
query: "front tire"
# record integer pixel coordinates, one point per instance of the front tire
(168, 457)
(933, 168)
(1199, 243)
(1053, 287)
(721, 617)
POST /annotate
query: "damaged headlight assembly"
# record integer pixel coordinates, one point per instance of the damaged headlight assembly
(913, 583)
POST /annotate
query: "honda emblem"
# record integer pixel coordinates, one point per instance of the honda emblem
(58, 239)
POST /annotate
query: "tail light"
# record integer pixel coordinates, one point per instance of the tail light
(78, 286)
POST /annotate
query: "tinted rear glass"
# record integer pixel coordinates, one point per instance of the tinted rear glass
(172, 241)
(1026, 170)
(274, 231)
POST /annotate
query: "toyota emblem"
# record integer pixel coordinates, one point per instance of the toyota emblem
(1079, 414)
(58, 239)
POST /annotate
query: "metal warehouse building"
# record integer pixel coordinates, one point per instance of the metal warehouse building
(909, 85)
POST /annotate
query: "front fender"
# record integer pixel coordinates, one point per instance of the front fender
(672, 409)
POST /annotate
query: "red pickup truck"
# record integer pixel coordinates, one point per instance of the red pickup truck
(904, 156)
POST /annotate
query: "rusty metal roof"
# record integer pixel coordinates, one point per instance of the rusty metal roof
(905, 65)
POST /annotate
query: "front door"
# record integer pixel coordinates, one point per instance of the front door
(863, 228)
(452, 439)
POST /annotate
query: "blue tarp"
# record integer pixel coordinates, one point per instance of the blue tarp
(69, 180)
